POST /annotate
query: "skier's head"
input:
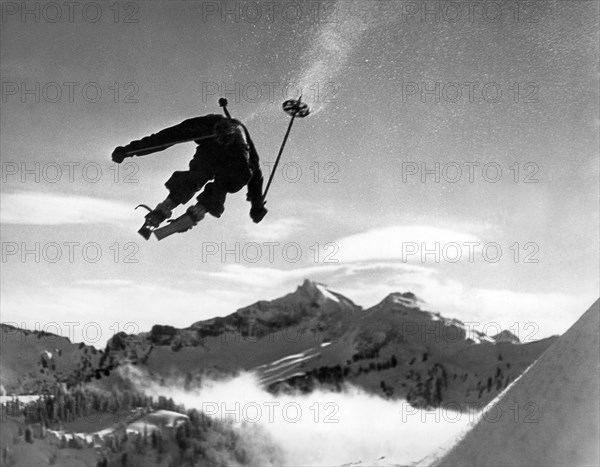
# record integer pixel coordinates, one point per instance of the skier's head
(230, 133)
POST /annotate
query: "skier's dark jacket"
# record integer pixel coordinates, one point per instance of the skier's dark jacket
(200, 127)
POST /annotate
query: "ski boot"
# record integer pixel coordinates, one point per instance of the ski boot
(156, 216)
(183, 223)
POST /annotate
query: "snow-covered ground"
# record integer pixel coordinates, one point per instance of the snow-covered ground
(23, 399)
(327, 293)
(148, 423)
(550, 416)
(275, 371)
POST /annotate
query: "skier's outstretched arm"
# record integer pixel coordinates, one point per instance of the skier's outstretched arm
(187, 130)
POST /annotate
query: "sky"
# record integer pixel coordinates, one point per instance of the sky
(452, 151)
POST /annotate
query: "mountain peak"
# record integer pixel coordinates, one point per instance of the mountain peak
(308, 285)
(406, 299)
(506, 336)
(316, 290)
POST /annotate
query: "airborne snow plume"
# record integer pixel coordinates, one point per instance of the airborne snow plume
(340, 428)
(329, 53)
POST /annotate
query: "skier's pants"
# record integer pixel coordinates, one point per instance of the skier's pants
(217, 179)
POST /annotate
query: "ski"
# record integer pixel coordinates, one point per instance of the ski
(182, 224)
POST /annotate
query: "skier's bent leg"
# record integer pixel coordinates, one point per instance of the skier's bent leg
(197, 212)
(167, 206)
(213, 197)
(161, 212)
(183, 186)
(183, 223)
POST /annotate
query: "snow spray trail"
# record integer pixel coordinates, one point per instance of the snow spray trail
(340, 428)
(329, 53)
(334, 38)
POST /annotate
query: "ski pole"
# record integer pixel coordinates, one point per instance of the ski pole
(295, 109)
(287, 133)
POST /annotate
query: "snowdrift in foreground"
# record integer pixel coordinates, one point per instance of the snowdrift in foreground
(550, 416)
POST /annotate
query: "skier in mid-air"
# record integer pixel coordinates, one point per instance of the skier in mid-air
(225, 161)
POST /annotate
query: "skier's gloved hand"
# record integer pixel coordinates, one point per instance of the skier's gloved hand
(257, 212)
(119, 154)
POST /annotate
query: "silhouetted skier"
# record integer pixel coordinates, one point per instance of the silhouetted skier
(225, 161)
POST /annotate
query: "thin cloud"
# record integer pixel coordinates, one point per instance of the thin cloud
(404, 243)
(262, 277)
(97, 311)
(110, 305)
(279, 229)
(533, 314)
(267, 278)
(367, 283)
(38, 208)
(530, 315)
(105, 282)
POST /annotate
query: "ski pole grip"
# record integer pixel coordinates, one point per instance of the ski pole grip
(223, 103)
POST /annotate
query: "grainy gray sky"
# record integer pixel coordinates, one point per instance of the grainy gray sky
(397, 89)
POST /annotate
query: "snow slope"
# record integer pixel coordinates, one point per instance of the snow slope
(548, 417)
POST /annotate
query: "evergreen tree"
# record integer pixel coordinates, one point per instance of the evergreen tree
(28, 435)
